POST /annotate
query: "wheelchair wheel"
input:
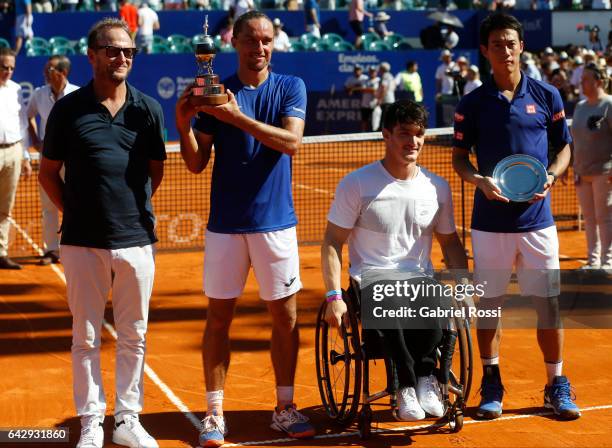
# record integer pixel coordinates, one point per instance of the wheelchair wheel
(339, 365)
(463, 352)
(460, 375)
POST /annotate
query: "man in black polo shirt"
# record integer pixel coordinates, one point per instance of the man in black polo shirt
(109, 137)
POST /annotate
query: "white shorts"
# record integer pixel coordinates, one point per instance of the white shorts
(534, 254)
(273, 255)
(23, 27)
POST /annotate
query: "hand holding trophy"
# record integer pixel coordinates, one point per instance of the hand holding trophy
(208, 91)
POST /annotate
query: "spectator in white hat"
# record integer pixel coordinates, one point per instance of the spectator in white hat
(444, 82)
(529, 66)
(473, 80)
(380, 24)
(281, 40)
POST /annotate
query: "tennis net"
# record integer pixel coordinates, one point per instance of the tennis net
(182, 202)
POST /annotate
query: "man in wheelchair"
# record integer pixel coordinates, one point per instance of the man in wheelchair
(389, 211)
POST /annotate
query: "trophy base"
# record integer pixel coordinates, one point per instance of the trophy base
(208, 100)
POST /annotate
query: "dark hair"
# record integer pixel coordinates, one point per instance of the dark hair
(104, 24)
(63, 63)
(405, 112)
(4, 51)
(244, 18)
(599, 73)
(410, 64)
(499, 21)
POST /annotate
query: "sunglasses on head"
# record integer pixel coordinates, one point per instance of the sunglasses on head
(113, 52)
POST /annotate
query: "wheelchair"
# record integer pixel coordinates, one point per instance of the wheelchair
(343, 358)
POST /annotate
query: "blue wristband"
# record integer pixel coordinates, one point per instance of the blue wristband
(333, 292)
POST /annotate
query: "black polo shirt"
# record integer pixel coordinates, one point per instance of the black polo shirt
(107, 194)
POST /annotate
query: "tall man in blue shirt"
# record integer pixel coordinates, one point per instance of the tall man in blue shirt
(514, 114)
(252, 219)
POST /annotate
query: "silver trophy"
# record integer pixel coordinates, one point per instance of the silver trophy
(208, 91)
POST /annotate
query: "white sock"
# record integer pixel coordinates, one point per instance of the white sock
(490, 361)
(553, 369)
(284, 394)
(214, 401)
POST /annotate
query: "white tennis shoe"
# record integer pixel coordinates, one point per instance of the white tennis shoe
(130, 433)
(429, 395)
(92, 435)
(408, 407)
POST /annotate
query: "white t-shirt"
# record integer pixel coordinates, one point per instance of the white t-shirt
(368, 97)
(447, 81)
(471, 85)
(41, 103)
(147, 18)
(387, 83)
(242, 6)
(281, 41)
(13, 121)
(392, 220)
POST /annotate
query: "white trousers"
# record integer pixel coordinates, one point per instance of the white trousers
(10, 169)
(90, 275)
(595, 196)
(50, 220)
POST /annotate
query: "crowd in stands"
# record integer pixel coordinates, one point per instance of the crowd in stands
(457, 77)
(48, 6)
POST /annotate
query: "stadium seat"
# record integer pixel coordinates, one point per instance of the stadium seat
(64, 50)
(38, 51)
(342, 46)
(175, 39)
(331, 38)
(4, 43)
(181, 48)
(297, 46)
(37, 42)
(157, 39)
(319, 46)
(368, 38)
(160, 48)
(59, 41)
(308, 39)
(402, 45)
(392, 39)
(378, 45)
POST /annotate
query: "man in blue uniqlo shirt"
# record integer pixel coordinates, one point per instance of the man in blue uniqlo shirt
(514, 114)
(252, 220)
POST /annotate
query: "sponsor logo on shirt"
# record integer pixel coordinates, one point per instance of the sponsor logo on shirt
(459, 135)
(458, 117)
(559, 115)
(531, 109)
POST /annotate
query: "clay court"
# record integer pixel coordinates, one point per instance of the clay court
(35, 333)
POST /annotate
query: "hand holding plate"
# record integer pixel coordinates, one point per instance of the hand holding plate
(490, 189)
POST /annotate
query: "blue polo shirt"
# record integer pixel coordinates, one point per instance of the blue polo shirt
(496, 128)
(251, 183)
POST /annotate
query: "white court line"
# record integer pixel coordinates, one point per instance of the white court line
(412, 428)
(148, 370)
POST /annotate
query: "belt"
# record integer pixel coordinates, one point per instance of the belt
(8, 145)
